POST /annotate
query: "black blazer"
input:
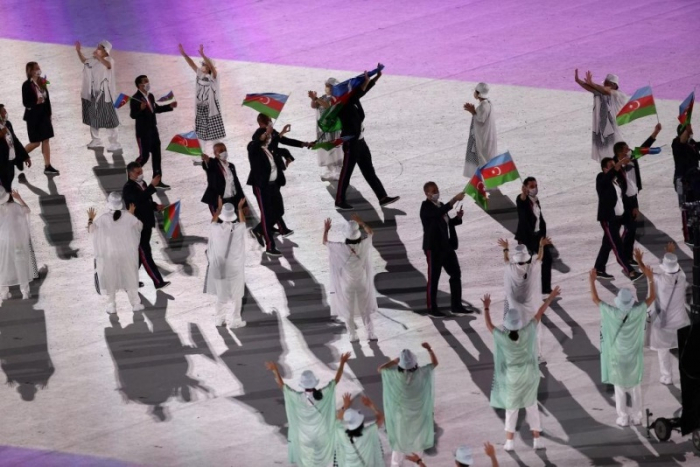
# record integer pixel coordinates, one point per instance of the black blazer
(631, 202)
(32, 110)
(435, 228)
(20, 154)
(260, 166)
(146, 122)
(216, 183)
(145, 206)
(525, 232)
(352, 114)
(607, 195)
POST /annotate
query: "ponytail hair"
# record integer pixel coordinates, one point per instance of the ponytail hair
(116, 215)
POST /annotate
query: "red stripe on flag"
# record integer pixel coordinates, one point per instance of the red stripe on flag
(498, 170)
(646, 101)
(266, 101)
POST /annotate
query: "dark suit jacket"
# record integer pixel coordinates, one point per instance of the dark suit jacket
(146, 123)
(20, 154)
(352, 114)
(216, 183)
(435, 228)
(631, 202)
(525, 232)
(145, 206)
(607, 195)
(260, 166)
(32, 110)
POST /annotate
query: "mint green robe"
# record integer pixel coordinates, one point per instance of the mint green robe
(622, 345)
(516, 375)
(366, 450)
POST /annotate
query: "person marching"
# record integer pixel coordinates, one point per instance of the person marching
(12, 153)
(357, 443)
(37, 114)
(226, 263)
(98, 94)
(17, 261)
(622, 346)
(516, 376)
(208, 123)
(330, 161)
(222, 179)
(115, 238)
(482, 142)
(352, 276)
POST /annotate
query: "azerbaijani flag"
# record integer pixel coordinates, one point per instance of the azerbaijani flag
(639, 152)
(499, 170)
(185, 143)
(475, 188)
(121, 101)
(328, 145)
(268, 103)
(171, 220)
(686, 109)
(640, 105)
(341, 92)
(168, 97)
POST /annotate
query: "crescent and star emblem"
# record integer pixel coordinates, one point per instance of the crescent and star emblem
(496, 171)
(264, 100)
(480, 186)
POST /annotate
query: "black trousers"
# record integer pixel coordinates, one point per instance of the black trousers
(356, 152)
(149, 145)
(146, 258)
(271, 207)
(437, 260)
(7, 174)
(534, 247)
(611, 242)
(629, 235)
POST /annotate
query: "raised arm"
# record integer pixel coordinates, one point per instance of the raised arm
(388, 364)
(503, 243)
(187, 58)
(487, 314)
(490, 451)
(582, 83)
(207, 61)
(555, 293)
(594, 292)
(639, 257)
(596, 87)
(347, 401)
(343, 359)
(652, 291)
(433, 358)
(367, 402)
(82, 57)
(368, 230)
(272, 366)
(685, 134)
(326, 228)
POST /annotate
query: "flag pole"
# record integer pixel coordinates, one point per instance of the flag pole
(657, 112)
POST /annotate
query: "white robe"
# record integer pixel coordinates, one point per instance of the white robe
(116, 245)
(352, 279)
(98, 80)
(668, 313)
(523, 295)
(15, 252)
(482, 143)
(605, 130)
(226, 257)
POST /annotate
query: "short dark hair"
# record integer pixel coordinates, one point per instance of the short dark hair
(138, 79)
(528, 180)
(617, 148)
(428, 185)
(604, 162)
(28, 69)
(131, 166)
(262, 118)
(513, 335)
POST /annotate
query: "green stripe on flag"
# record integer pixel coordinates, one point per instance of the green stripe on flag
(499, 180)
(480, 199)
(263, 109)
(180, 149)
(639, 113)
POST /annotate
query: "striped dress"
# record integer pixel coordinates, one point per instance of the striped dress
(98, 94)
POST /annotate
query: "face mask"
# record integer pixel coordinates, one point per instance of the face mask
(223, 156)
(532, 192)
(139, 178)
(37, 73)
(147, 87)
(435, 197)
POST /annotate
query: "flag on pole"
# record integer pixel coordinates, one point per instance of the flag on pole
(121, 101)
(686, 109)
(499, 170)
(328, 145)
(185, 143)
(641, 104)
(476, 189)
(171, 220)
(268, 103)
(639, 152)
(341, 93)
(168, 97)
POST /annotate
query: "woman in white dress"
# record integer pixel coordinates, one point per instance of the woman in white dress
(115, 237)
(331, 162)
(482, 143)
(17, 266)
(357, 443)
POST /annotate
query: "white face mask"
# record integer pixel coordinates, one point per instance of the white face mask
(532, 192)
(139, 178)
(223, 156)
(147, 87)
(435, 197)
(37, 73)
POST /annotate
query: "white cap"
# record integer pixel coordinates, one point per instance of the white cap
(670, 263)
(114, 201)
(352, 231)
(520, 254)
(106, 44)
(482, 89)
(228, 213)
(308, 380)
(407, 360)
(4, 198)
(624, 300)
(331, 82)
(352, 419)
(512, 321)
(612, 79)
(463, 455)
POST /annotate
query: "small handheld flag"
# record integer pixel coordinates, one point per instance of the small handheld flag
(171, 220)
(185, 143)
(168, 97)
(685, 111)
(328, 145)
(639, 152)
(499, 170)
(476, 189)
(121, 101)
(268, 103)
(640, 105)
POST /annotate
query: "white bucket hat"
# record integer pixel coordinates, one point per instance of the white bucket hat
(331, 82)
(228, 213)
(4, 195)
(352, 419)
(624, 300)
(352, 231)
(612, 79)
(520, 254)
(308, 380)
(463, 455)
(670, 263)
(114, 201)
(107, 45)
(512, 320)
(482, 89)
(407, 360)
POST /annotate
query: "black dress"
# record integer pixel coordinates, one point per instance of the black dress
(37, 116)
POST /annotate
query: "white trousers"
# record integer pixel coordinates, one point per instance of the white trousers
(112, 132)
(397, 458)
(621, 401)
(665, 362)
(229, 315)
(364, 314)
(532, 416)
(132, 294)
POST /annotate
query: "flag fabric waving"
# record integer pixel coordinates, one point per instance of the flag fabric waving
(641, 104)
(328, 145)
(171, 220)
(341, 93)
(185, 143)
(686, 109)
(640, 152)
(476, 189)
(268, 103)
(121, 101)
(168, 97)
(499, 170)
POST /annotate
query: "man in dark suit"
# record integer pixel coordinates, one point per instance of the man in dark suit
(222, 180)
(532, 228)
(278, 138)
(139, 194)
(439, 243)
(144, 109)
(610, 212)
(12, 152)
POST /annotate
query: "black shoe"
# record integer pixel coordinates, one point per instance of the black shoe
(49, 170)
(162, 285)
(258, 236)
(690, 244)
(602, 275)
(287, 233)
(141, 284)
(387, 200)
(633, 263)
(162, 186)
(635, 276)
(21, 178)
(273, 252)
(437, 314)
(462, 311)
(343, 207)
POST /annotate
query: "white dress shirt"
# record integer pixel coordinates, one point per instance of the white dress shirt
(273, 166)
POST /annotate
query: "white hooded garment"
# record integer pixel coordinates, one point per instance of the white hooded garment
(523, 294)
(98, 80)
(352, 278)
(226, 257)
(605, 130)
(482, 145)
(15, 251)
(668, 313)
(116, 245)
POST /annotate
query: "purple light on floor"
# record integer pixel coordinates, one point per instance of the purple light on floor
(10, 455)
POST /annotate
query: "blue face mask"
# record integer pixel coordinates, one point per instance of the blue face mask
(435, 197)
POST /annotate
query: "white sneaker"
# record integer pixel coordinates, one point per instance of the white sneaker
(138, 307)
(95, 143)
(5, 296)
(372, 337)
(353, 337)
(237, 323)
(667, 380)
(508, 446)
(111, 309)
(114, 147)
(623, 421)
(636, 421)
(26, 296)
(537, 443)
(541, 360)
